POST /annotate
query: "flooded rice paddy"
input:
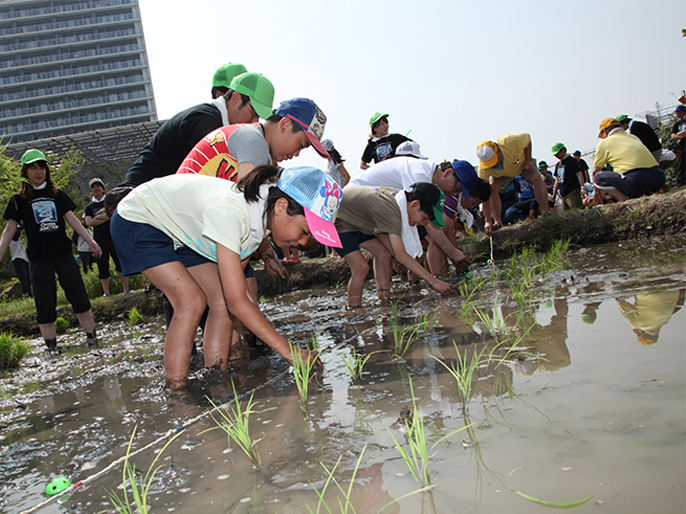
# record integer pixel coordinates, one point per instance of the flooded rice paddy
(582, 395)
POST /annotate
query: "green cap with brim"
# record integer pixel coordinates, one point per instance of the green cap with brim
(622, 117)
(31, 156)
(556, 148)
(258, 88)
(376, 117)
(432, 194)
(225, 74)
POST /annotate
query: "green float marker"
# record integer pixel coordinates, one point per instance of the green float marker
(58, 485)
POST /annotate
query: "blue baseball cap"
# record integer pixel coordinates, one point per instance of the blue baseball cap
(466, 174)
(320, 196)
(307, 115)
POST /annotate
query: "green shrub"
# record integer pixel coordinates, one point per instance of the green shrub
(61, 325)
(135, 317)
(12, 350)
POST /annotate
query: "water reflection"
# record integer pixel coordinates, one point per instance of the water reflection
(649, 311)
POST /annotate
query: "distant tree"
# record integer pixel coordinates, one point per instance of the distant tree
(664, 132)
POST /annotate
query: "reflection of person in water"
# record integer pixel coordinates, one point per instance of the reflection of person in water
(650, 312)
(551, 341)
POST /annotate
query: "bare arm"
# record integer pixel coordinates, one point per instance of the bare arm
(81, 230)
(271, 263)
(346, 175)
(243, 169)
(679, 135)
(404, 258)
(363, 165)
(529, 164)
(98, 219)
(7, 236)
(460, 260)
(240, 306)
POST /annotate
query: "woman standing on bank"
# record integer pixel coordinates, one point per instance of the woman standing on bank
(43, 209)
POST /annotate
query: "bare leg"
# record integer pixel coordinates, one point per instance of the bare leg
(124, 282)
(382, 267)
(218, 327)
(48, 331)
(86, 321)
(105, 283)
(189, 302)
(616, 194)
(359, 270)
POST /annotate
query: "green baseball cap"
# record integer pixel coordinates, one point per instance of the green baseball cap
(432, 194)
(557, 147)
(258, 88)
(225, 74)
(31, 156)
(376, 117)
(622, 117)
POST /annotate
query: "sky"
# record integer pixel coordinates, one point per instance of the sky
(452, 73)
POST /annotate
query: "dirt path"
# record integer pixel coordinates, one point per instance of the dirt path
(638, 219)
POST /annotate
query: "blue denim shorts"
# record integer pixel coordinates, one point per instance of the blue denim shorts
(351, 241)
(141, 246)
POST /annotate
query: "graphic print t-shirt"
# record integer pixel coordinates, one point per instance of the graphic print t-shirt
(43, 220)
(219, 153)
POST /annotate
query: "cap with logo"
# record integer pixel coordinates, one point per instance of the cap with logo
(410, 148)
(225, 74)
(258, 88)
(320, 196)
(432, 194)
(31, 156)
(309, 116)
(466, 174)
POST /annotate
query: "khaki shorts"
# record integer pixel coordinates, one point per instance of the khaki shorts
(572, 201)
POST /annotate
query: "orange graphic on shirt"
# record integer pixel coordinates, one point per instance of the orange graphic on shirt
(222, 166)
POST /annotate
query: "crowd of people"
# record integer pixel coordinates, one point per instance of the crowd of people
(206, 194)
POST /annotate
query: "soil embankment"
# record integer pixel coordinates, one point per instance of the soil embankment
(639, 219)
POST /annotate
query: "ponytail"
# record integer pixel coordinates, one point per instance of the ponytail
(250, 184)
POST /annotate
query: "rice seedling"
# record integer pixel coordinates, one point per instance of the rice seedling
(543, 502)
(138, 502)
(403, 336)
(12, 350)
(354, 364)
(463, 370)
(61, 325)
(345, 505)
(417, 458)
(135, 317)
(235, 422)
(302, 370)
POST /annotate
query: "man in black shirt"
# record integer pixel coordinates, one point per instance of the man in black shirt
(583, 166)
(679, 134)
(644, 132)
(248, 99)
(568, 178)
(98, 219)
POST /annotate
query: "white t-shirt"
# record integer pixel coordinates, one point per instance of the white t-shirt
(397, 173)
(198, 211)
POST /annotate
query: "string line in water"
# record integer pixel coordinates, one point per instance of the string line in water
(166, 435)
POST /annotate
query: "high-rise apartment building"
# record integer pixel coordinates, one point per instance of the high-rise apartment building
(71, 66)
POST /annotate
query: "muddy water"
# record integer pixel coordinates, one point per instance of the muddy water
(587, 406)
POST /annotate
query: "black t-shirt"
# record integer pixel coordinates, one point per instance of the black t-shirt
(43, 220)
(382, 148)
(174, 140)
(646, 134)
(676, 128)
(100, 232)
(566, 174)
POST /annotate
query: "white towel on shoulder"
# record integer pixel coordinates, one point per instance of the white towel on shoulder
(409, 235)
